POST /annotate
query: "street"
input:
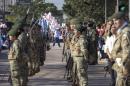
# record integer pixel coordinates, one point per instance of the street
(52, 73)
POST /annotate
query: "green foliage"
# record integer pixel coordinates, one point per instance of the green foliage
(90, 9)
(123, 6)
(10, 18)
(37, 7)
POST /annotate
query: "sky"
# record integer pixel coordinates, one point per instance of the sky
(58, 3)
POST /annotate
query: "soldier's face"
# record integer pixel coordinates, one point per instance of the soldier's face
(12, 38)
(117, 23)
(77, 33)
(72, 26)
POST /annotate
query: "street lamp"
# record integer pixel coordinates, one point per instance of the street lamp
(105, 11)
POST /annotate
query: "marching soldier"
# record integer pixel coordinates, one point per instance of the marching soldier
(79, 54)
(17, 58)
(121, 49)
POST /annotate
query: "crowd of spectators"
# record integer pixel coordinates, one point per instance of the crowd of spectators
(5, 26)
(103, 31)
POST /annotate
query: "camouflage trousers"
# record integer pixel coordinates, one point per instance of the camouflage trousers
(30, 68)
(36, 65)
(121, 80)
(80, 66)
(19, 76)
(41, 55)
(33, 66)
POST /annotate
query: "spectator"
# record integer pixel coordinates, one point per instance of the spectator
(100, 32)
(57, 35)
(108, 49)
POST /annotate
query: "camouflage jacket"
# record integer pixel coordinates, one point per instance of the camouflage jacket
(14, 52)
(121, 49)
(78, 46)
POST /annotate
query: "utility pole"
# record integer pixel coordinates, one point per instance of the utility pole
(117, 5)
(3, 8)
(129, 10)
(105, 11)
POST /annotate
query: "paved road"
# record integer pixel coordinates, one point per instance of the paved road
(52, 72)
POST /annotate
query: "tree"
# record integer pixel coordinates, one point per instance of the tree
(93, 9)
(37, 7)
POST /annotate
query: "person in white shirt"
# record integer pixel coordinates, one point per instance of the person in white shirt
(108, 49)
(110, 41)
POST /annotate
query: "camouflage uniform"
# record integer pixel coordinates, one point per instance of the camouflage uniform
(34, 53)
(30, 63)
(121, 54)
(121, 50)
(18, 64)
(68, 38)
(67, 54)
(78, 47)
(80, 57)
(24, 65)
(92, 45)
(40, 46)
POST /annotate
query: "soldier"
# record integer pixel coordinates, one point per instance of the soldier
(80, 55)
(66, 51)
(34, 48)
(41, 49)
(121, 49)
(24, 41)
(67, 40)
(17, 58)
(92, 43)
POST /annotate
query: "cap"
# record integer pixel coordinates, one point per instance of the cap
(13, 32)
